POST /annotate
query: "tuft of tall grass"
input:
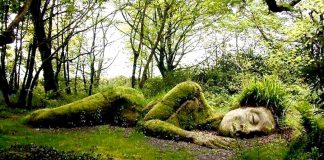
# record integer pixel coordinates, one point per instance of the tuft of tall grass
(268, 92)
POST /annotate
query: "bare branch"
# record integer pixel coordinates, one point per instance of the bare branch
(7, 36)
(274, 7)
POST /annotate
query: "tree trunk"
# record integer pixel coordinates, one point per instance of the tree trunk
(29, 73)
(43, 46)
(92, 72)
(84, 77)
(4, 87)
(134, 70)
(155, 44)
(13, 74)
(3, 78)
(66, 72)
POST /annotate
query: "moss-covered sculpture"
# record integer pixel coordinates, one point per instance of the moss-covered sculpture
(182, 110)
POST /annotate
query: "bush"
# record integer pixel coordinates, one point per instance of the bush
(158, 85)
(34, 152)
(270, 151)
(221, 102)
(154, 86)
(119, 81)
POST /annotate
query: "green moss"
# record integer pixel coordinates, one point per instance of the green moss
(118, 105)
(187, 115)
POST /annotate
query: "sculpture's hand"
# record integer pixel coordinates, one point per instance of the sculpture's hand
(212, 141)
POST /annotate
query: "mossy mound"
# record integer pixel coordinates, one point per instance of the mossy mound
(184, 106)
(119, 105)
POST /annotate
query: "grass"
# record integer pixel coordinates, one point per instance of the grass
(280, 149)
(106, 141)
(271, 151)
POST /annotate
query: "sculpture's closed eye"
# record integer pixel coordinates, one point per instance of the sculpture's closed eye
(254, 119)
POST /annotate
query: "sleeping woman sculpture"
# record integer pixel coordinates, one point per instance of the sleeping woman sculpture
(179, 114)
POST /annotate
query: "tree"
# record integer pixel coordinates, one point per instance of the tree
(134, 16)
(179, 36)
(161, 29)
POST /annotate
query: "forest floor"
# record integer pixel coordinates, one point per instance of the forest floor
(110, 142)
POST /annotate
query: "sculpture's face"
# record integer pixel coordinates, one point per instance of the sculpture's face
(247, 122)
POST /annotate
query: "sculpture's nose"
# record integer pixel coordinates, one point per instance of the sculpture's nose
(240, 129)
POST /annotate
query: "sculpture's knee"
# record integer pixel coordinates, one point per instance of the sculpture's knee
(176, 97)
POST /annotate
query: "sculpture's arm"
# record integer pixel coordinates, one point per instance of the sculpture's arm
(167, 130)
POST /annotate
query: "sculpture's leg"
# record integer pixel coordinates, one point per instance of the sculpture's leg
(190, 115)
(118, 105)
(185, 98)
(85, 111)
(170, 103)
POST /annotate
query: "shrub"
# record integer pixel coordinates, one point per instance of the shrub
(158, 85)
(154, 86)
(119, 81)
(34, 152)
(270, 151)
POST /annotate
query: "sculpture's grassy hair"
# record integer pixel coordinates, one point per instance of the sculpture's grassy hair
(268, 92)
